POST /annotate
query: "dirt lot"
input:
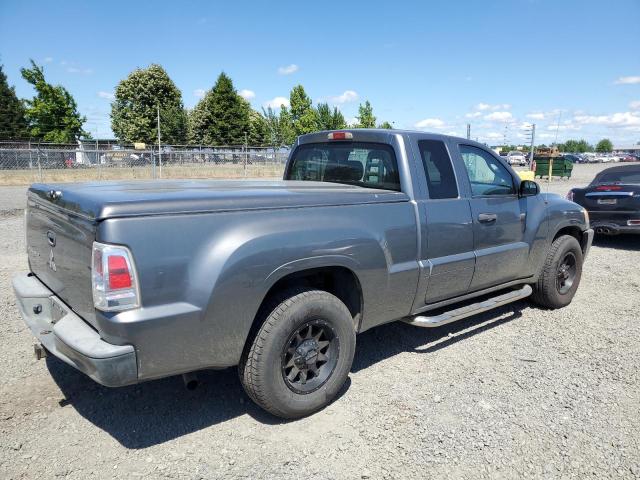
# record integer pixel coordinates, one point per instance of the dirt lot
(518, 392)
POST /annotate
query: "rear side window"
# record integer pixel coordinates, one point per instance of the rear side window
(371, 165)
(438, 169)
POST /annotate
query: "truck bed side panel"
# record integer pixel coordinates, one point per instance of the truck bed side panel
(210, 272)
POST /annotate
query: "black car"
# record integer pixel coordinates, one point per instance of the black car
(572, 158)
(612, 200)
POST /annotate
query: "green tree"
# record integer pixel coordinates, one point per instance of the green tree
(222, 117)
(13, 123)
(576, 146)
(329, 119)
(52, 115)
(365, 116)
(604, 146)
(287, 129)
(386, 125)
(134, 112)
(303, 116)
(258, 130)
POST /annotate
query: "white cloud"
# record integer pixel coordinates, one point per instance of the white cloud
(499, 116)
(484, 107)
(247, 94)
(494, 135)
(563, 127)
(627, 80)
(620, 119)
(83, 71)
(635, 105)
(288, 70)
(430, 123)
(199, 92)
(106, 95)
(544, 135)
(536, 116)
(276, 102)
(352, 120)
(346, 97)
(473, 115)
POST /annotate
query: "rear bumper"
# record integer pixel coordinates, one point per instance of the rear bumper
(68, 337)
(611, 228)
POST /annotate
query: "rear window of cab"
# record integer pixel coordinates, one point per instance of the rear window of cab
(366, 164)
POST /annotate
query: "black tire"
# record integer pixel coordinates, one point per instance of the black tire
(561, 274)
(305, 328)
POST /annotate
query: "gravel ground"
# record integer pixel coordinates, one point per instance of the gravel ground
(517, 392)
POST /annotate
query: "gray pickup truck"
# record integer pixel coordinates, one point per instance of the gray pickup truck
(133, 281)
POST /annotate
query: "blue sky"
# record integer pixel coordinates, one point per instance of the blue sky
(431, 65)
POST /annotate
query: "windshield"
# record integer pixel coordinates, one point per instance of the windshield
(371, 165)
(515, 154)
(619, 177)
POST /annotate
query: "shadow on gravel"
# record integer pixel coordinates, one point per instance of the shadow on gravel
(618, 242)
(155, 412)
(387, 340)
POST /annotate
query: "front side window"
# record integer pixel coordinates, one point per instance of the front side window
(371, 165)
(438, 169)
(486, 174)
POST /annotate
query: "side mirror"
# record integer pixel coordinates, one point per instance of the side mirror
(529, 188)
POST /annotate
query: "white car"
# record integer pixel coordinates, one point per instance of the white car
(516, 158)
(605, 158)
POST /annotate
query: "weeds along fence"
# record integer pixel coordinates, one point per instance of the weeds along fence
(22, 163)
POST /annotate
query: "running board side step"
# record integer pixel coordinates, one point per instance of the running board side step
(469, 310)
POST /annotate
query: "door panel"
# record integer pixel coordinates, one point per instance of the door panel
(450, 259)
(499, 220)
(447, 256)
(501, 252)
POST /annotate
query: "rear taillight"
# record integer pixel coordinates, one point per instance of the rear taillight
(114, 279)
(633, 223)
(570, 195)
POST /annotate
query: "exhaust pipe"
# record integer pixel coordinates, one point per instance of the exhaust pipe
(190, 380)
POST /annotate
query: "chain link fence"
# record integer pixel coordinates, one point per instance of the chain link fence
(22, 163)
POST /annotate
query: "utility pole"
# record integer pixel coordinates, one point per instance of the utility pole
(159, 144)
(468, 131)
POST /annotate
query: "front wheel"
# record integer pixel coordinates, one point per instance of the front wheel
(560, 274)
(301, 355)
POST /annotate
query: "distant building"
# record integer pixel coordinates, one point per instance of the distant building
(626, 148)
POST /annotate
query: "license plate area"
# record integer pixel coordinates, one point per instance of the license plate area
(57, 311)
(607, 201)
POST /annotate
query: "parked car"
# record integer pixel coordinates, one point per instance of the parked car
(629, 158)
(516, 158)
(572, 157)
(135, 281)
(612, 200)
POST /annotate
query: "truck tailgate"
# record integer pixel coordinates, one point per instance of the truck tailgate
(59, 251)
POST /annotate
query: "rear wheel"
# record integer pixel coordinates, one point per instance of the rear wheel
(301, 355)
(560, 274)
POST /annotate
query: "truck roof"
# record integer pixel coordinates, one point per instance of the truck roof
(381, 135)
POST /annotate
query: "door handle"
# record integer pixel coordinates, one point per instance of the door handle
(487, 217)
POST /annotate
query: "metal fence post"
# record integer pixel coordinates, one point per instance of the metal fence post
(98, 166)
(31, 162)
